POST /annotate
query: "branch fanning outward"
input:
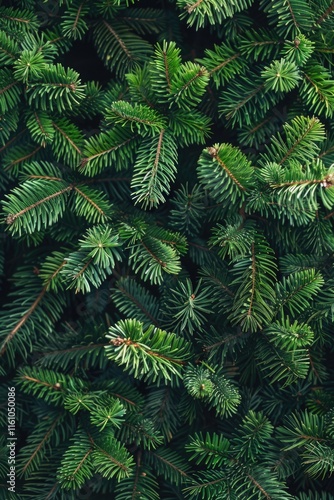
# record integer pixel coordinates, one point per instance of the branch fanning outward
(154, 353)
(226, 173)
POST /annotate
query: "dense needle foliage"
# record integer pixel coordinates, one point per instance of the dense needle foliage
(167, 282)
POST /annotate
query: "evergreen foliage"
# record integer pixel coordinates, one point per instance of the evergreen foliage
(167, 203)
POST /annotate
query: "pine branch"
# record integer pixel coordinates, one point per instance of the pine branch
(146, 353)
(154, 170)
